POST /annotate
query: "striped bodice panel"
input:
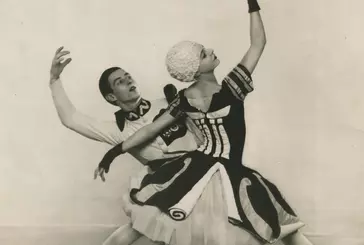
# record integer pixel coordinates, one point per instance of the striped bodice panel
(216, 140)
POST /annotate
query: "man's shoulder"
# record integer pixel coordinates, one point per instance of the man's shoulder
(161, 102)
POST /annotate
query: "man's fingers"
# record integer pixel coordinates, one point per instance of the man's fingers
(57, 58)
(61, 54)
(59, 50)
(66, 62)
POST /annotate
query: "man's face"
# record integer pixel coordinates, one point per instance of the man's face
(123, 86)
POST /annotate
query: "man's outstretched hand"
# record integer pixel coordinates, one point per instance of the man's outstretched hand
(58, 64)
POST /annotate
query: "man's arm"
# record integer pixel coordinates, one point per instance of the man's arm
(89, 127)
(257, 38)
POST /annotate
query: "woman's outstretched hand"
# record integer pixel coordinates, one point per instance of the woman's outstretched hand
(99, 172)
(104, 165)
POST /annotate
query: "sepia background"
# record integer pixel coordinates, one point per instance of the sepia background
(305, 118)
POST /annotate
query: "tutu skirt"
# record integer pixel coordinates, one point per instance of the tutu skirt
(208, 223)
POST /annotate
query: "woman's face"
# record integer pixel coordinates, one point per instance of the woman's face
(208, 61)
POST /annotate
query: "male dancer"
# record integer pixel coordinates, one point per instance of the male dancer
(119, 89)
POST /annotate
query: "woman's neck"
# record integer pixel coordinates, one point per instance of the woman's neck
(207, 78)
(205, 86)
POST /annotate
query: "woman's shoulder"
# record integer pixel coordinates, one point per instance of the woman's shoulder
(190, 92)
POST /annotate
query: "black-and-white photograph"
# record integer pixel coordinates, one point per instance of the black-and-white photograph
(181, 122)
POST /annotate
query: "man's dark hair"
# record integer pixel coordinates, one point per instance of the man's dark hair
(104, 84)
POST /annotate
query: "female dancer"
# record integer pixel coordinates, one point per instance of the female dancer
(208, 196)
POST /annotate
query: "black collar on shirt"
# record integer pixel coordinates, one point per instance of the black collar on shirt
(142, 109)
